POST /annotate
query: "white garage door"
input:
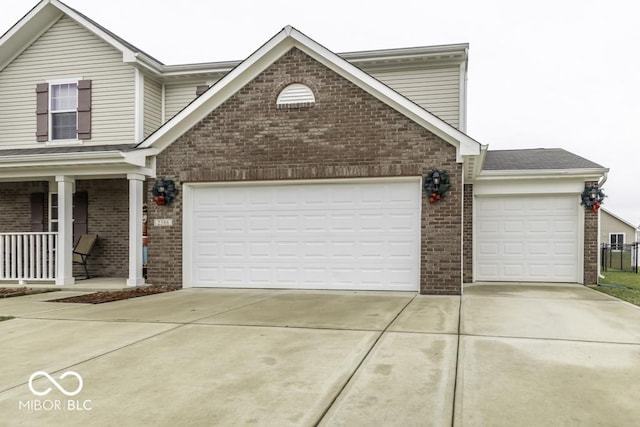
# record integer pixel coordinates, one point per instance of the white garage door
(529, 239)
(343, 235)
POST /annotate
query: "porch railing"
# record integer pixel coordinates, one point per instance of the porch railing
(28, 256)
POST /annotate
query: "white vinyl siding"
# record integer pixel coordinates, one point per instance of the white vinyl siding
(68, 50)
(152, 106)
(436, 89)
(178, 95)
(612, 225)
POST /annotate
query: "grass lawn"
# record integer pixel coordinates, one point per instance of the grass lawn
(630, 281)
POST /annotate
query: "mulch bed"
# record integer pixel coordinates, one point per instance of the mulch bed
(18, 292)
(109, 296)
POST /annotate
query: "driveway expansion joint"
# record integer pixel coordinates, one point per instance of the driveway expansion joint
(366, 355)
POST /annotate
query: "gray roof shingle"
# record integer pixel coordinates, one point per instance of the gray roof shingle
(534, 159)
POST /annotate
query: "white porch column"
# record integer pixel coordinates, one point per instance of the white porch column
(64, 267)
(135, 229)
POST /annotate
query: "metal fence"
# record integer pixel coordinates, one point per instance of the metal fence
(619, 257)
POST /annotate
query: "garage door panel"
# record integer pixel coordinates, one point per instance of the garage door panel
(329, 236)
(533, 238)
(538, 248)
(539, 226)
(317, 276)
(513, 249)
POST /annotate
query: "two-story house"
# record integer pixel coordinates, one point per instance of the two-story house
(294, 168)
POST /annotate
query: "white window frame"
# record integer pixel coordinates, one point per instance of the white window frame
(617, 246)
(70, 141)
(49, 215)
(50, 219)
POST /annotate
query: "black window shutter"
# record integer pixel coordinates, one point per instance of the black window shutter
(80, 215)
(37, 212)
(84, 109)
(42, 112)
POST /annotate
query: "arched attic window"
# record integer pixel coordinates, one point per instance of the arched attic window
(296, 95)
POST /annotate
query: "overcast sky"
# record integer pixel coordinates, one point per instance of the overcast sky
(549, 73)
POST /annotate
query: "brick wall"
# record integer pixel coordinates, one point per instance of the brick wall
(108, 217)
(467, 236)
(590, 245)
(348, 133)
(15, 205)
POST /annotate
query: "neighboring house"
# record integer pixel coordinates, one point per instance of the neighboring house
(295, 168)
(615, 231)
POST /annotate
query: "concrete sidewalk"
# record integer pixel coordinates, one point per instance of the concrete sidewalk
(513, 355)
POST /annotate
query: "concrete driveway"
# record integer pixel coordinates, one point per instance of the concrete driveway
(500, 355)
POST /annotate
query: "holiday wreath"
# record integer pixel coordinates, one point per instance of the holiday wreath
(164, 191)
(592, 198)
(436, 183)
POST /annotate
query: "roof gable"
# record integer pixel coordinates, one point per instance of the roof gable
(616, 217)
(275, 48)
(45, 14)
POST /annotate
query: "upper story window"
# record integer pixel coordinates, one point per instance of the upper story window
(296, 95)
(63, 111)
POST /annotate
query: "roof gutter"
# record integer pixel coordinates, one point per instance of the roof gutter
(541, 173)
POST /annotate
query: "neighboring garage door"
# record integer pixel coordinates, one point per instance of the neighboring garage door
(347, 234)
(529, 239)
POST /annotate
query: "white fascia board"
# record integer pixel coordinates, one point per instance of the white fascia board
(491, 175)
(134, 158)
(128, 55)
(138, 157)
(406, 52)
(521, 187)
(40, 173)
(277, 46)
(26, 31)
(190, 70)
(46, 13)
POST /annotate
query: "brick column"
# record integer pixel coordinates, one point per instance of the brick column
(467, 234)
(590, 263)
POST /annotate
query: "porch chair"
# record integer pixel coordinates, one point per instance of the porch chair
(82, 250)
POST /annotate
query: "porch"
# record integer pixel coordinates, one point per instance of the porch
(68, 191)
(42, 221)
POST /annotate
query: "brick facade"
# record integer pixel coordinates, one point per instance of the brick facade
(108, 208)
(467, 235)
(15, 205)
(590, 263)
(347, 134)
